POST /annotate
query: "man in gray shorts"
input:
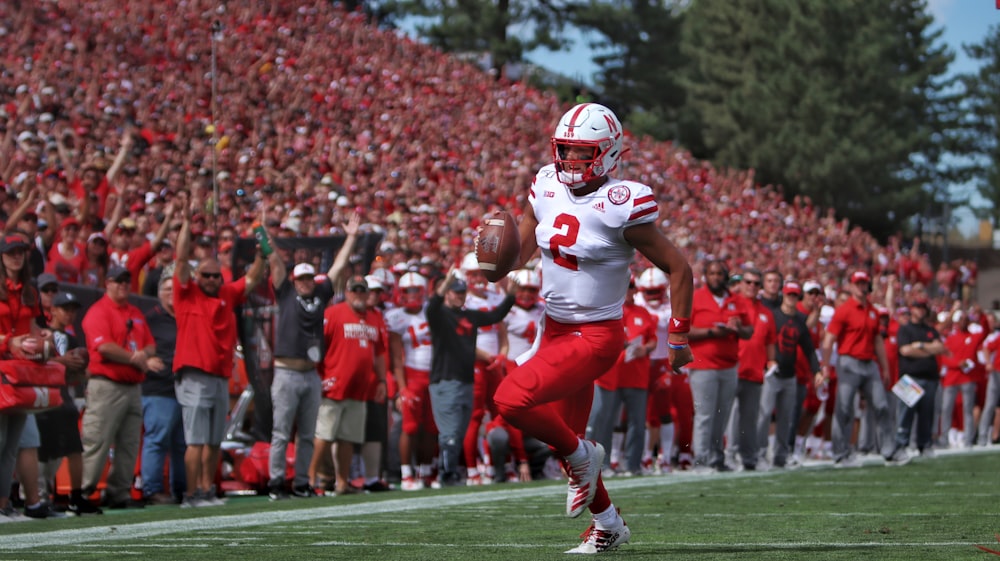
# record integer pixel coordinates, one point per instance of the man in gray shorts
(206, 339)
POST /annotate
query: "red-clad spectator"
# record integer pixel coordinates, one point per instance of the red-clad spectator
(719, 319)
(206, 339)
(963, 372)
(355, 347)
(67, 257)
(121, 350)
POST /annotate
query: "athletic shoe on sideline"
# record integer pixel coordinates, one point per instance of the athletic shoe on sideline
(377, 487)
(82, 505)
(849, 461)
(192, 501)
(600, 541)
(44, 510)
(900, 457)
(277, 493)
(11, 514)
(211, 498)
(412, 484)
(304, 491)
(583, 477)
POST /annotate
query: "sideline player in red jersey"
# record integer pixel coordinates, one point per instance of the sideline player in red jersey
(588, 226)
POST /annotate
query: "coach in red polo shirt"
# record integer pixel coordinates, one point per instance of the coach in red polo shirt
(719, 319)
(860, 361)
(121, 350)
(206, 338)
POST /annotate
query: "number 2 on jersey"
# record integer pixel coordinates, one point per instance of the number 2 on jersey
(565, 240)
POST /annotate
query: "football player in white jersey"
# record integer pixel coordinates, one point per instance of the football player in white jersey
(410, 356)
(652, 285)
(491, 365)
(588, 226)
(525, 317)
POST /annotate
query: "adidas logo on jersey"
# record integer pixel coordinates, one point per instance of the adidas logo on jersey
(599, 206)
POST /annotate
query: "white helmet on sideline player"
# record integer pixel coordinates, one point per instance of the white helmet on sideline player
(412, 291)
(592, 126)
(653, 284)
(470, 262)
(528, 284)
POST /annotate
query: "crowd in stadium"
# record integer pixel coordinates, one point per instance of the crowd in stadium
(121, 122)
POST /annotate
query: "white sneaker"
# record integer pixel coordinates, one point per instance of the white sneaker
(583, 479)
(599, 541)
(412, 484)
(192, 501)
(849, 461)
(899, 458)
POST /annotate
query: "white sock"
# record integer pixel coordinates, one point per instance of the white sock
(473, 472)
(406, 471)
(425, 470)
(578, 455)
(617, 442)
(608, 519)
(667, 440)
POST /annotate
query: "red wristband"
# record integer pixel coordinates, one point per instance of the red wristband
(679, 325)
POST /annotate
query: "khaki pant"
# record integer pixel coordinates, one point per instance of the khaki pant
(112, 419)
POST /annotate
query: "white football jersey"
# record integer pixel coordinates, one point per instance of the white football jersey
(416, 336)
(662, 315)
(522, 326)
(584, 253)
(488, 337)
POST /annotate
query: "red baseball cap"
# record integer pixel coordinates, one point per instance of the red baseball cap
(792, 287)
(860, 276)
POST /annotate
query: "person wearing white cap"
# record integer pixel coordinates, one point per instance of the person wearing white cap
(298, 346)
(811, 305)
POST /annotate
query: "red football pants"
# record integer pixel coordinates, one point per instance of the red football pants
(549, 396)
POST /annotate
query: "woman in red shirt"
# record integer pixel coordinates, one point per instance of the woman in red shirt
(19, 335)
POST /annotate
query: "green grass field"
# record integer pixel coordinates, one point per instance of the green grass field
(931, 509)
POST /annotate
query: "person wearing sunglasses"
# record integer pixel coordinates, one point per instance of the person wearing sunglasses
(756, 359)
(205, 307)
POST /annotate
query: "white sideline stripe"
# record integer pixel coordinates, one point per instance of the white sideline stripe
(122, 530)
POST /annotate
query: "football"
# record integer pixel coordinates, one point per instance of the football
(498, 245)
